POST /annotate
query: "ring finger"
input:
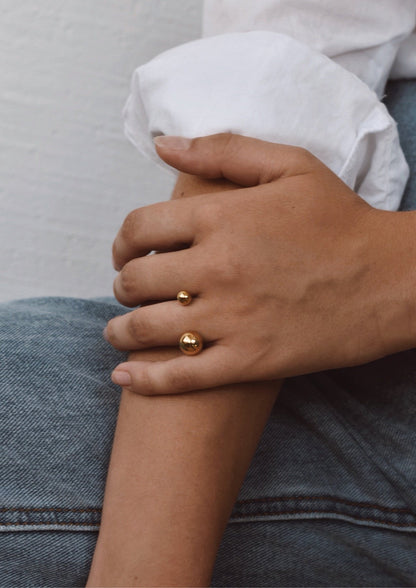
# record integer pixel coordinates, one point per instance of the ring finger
(155, 277)
(158, 325)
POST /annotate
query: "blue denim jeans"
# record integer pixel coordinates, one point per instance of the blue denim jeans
(329, 499)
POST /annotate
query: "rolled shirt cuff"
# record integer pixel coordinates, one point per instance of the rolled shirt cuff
(272, 87)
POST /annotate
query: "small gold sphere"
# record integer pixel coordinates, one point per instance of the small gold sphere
(191, 343)
(184, 297)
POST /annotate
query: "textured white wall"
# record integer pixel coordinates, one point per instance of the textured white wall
(67, 174)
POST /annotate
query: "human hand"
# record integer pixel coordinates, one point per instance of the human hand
(290, 274)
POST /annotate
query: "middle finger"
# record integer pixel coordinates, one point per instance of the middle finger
(157, 277)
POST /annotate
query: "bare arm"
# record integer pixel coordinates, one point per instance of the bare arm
(176, 468)
(334, 281)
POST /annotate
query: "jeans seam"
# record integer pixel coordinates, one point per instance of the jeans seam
(322, 513)
(262, 499)
(286, 510)
(266, 499)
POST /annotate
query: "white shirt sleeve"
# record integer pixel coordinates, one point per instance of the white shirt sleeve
(363, 36)
(304, 81)
(405, 63)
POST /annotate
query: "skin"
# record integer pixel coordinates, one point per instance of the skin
(294, 273)
(319, 244)
(177, 464)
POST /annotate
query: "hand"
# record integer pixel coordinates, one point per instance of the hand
(290, 274)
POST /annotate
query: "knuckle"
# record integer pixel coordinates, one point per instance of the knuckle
(128, 278)
(221, 140)
(126, 283)
(126, 240)
(231, 144)
(145, 385)
(139, 329)
(227, 140)
(223, 145)
(211, 271)
(117, 260)
(267, 173)
(131, 229)
(132, 223)
(304, 156)
(112, 334)
(226, 270)
(229, 274)
(207, 215)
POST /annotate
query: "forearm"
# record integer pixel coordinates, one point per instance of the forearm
(176, 468)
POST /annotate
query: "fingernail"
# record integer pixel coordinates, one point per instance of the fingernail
(105, 334)
(121, 378)
(171, 142)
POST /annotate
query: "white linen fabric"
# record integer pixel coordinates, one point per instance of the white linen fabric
(364, 36)
(311, 76)
(405, 64)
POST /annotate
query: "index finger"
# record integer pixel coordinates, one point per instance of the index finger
(164, 226)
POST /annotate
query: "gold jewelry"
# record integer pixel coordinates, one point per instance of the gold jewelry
(184, 297)
(191, 343)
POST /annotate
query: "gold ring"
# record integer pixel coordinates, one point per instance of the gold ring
(184, 297)
(191, 343)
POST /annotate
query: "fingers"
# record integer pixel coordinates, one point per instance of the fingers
(156, 277)
(172, 225)
(162, 226)
(158, 325)
(242, 160)
(215, 366)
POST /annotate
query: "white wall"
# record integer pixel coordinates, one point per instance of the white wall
(67, 174)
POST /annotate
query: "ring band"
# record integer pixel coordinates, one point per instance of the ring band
(184, 297)
(191, 343)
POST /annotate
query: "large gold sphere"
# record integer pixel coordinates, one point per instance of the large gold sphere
(191, 343)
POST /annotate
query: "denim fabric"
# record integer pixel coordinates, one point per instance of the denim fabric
(329, 499)
(401, 101)
(58, 416)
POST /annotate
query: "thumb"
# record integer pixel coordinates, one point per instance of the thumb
(242, 160)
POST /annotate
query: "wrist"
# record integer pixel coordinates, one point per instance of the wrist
(393, 280)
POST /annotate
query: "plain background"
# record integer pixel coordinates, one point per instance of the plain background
(68, 176)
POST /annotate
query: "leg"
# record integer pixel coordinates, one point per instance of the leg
(330, 497)
(58, 417)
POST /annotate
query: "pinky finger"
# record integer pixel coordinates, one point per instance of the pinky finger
(214, 367)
